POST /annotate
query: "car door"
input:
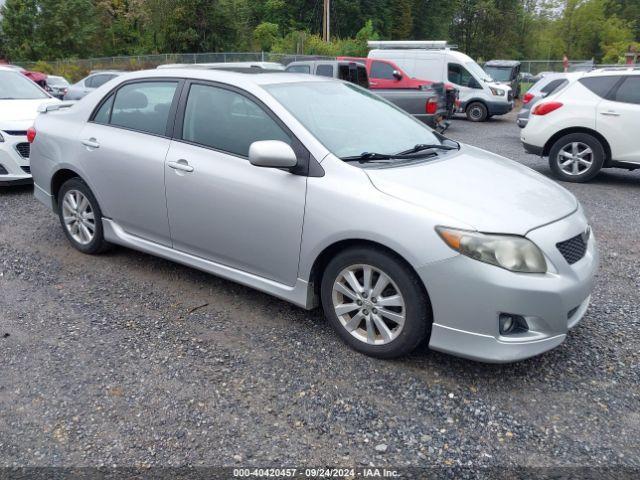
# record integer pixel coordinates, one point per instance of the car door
(124, 149)
(618, 119)
(221, 207)
(466, 84)
(381, 75)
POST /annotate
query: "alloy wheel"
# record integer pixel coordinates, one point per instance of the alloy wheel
(575, 158)
(79, 219)
(369, 304)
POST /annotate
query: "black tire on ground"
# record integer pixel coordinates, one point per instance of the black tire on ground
(417, 308)
(98, 244)
(477, 112)
(598, 157)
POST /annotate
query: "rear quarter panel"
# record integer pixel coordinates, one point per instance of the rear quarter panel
(55, 147)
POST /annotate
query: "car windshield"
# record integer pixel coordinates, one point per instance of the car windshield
(350, 120)
(500, 74)
(15, 86)
(57, 81)
(478, 72)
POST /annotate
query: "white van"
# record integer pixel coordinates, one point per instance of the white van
(480, 96)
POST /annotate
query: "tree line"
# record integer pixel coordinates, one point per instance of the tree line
(33, 30)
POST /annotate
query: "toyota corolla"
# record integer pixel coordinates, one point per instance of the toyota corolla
(322, 193)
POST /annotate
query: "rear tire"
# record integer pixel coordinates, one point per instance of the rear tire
(477, 112)
(577, 157)
(375, 302)
(81, 217)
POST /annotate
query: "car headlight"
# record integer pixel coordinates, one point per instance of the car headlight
(511, 252)
(497, 91)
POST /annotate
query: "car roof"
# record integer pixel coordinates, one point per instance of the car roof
(220, 65)
(502, 63)
(230, 76)
(621, 70)
(108, 72)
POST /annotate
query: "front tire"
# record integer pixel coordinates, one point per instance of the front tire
(577, 157)
(477, 112)
(81, 217)
(375, 302)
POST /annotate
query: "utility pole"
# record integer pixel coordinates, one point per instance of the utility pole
(326, 21)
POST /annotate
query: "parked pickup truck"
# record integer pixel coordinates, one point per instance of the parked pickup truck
(427, 104)
(385, 74)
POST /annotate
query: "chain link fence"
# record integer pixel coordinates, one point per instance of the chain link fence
(138, 62)
(74, 69)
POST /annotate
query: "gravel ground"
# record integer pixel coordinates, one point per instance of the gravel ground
(108, 361)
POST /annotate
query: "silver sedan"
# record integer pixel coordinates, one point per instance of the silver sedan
(322, 193)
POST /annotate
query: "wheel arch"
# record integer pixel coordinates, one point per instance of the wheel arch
(323, 258)
(476, 100)
(57, 179)
(567, 131)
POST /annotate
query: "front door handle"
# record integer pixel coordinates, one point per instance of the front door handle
(610, 114)
(91, 143)
(181, 165)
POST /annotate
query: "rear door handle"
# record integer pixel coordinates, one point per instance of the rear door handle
(610, 114)
(181, 165)
(91, 143)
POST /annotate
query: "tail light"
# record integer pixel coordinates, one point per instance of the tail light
(431, 106)
(31, 134)
(527, 97)
(546, 107)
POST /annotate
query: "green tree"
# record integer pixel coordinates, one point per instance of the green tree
(402, 12)
(19, 22)
(265, 36)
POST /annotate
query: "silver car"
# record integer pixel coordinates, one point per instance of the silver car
(318, 192)
(90, 83)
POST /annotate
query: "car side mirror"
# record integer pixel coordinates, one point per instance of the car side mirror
(397, 75)
(272, 154)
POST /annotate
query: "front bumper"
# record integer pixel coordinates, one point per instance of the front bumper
(14, 166)
(500, 108)
(468, 296)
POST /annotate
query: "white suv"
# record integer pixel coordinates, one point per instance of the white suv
(590, 124)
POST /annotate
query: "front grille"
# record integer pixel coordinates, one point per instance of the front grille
(24, 149)
(26, 169)
(573, 249)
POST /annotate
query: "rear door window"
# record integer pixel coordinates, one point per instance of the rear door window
(324, 70)
(553, 85)
(103, 115)
(144, 106)
(298, 69)
(96, 81)
(226, 120)
(601, 86)
(629, 91)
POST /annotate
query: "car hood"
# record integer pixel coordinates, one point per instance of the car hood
(20, 111)
(480, 189)
(503, 85)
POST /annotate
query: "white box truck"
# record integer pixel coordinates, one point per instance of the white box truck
(480, 96)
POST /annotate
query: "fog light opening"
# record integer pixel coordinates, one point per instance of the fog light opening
(510, 324)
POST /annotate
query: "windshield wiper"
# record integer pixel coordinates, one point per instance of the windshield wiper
(423, 146)
(371, 157)
(406, 155)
